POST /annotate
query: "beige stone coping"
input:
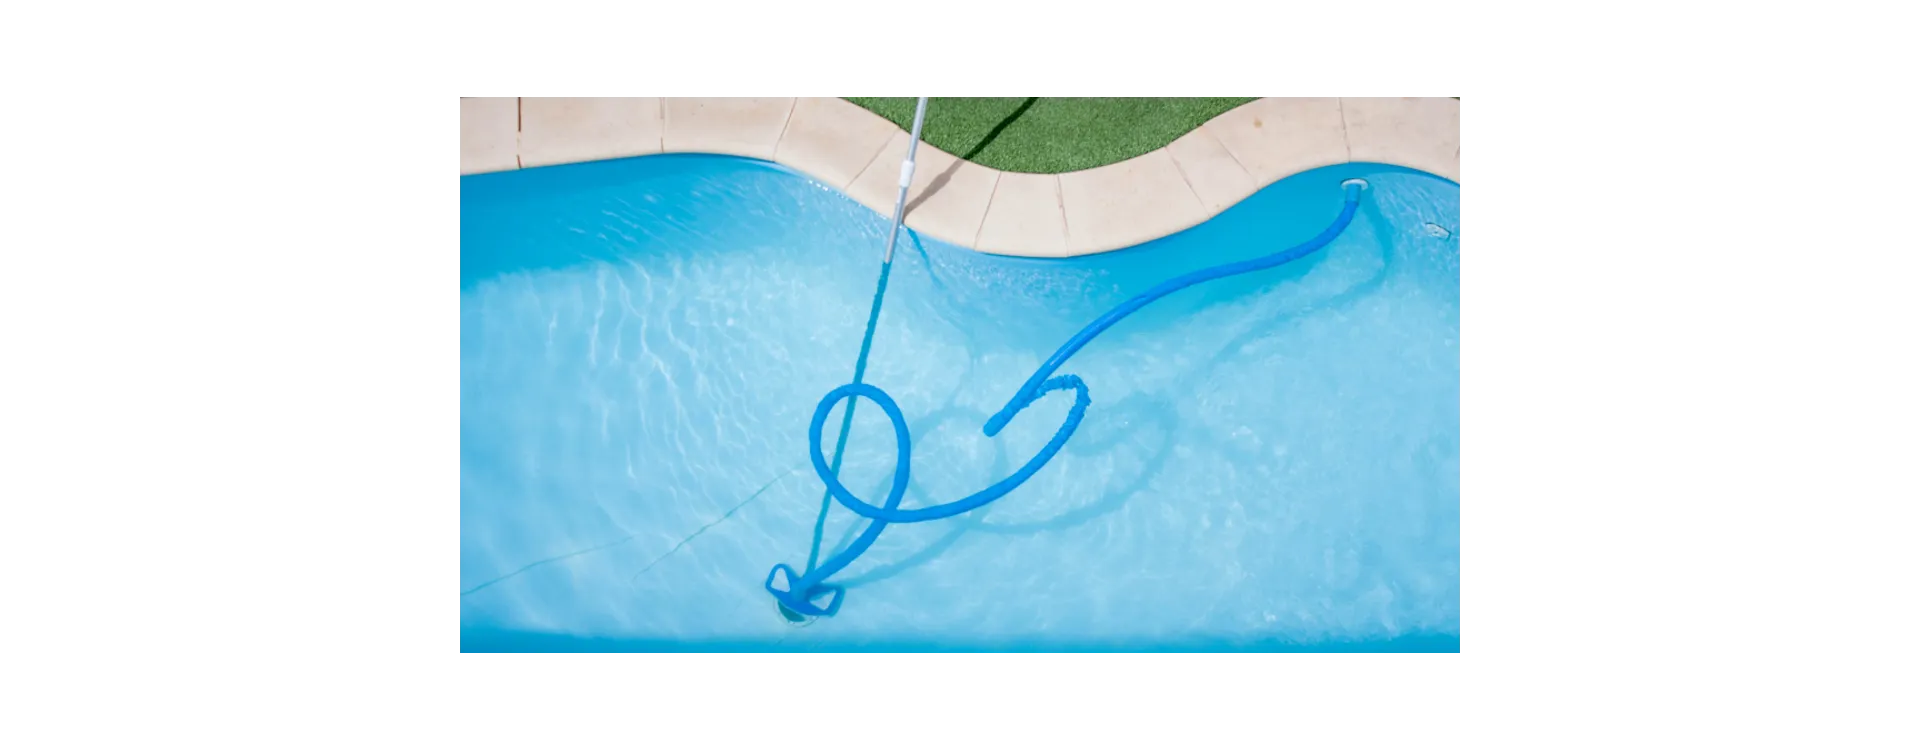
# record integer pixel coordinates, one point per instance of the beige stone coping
(1095, 210)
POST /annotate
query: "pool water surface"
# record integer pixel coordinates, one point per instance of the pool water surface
(1270, 461)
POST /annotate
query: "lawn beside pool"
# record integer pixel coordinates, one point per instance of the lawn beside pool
(1048, 135)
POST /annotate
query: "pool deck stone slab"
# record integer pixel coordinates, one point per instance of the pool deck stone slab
(567, 130)
(1025, 212)
(489, 134)
(834, 144)
(1277, 138)
(1105, 208)
(739, 126)
(1116, 205)
(1214, 175)
(1420, 133)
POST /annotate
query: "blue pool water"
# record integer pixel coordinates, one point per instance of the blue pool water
(1270, 461)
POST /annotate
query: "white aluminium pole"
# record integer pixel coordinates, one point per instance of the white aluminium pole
(906, 176)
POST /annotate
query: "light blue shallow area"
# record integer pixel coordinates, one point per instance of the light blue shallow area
(1270, 462)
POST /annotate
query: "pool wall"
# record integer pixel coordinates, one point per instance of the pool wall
(1156, 194)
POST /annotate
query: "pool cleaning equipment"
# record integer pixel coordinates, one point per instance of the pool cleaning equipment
(866, 346)
(906, 180)
(801, 594)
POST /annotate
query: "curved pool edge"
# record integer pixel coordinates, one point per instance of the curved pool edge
(1163, 192)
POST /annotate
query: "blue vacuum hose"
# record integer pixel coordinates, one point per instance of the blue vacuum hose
(802, 592)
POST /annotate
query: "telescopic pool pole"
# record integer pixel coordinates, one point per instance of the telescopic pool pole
(866, 341)
(906, 176)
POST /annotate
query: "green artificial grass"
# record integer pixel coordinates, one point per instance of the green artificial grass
(1048, 135)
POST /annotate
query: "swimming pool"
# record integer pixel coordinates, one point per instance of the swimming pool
(1270, 461)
